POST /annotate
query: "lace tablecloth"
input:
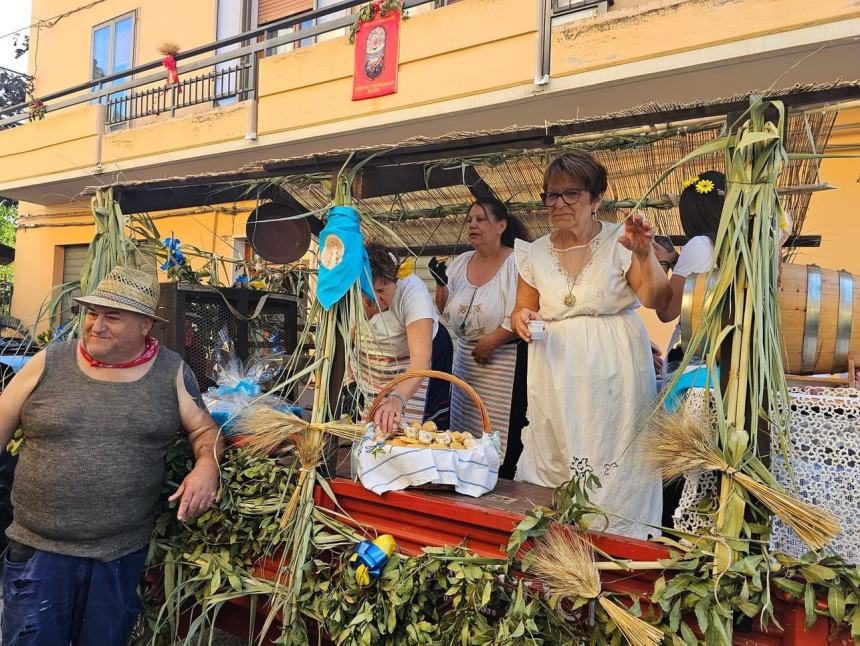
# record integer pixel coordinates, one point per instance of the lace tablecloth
(825, 458)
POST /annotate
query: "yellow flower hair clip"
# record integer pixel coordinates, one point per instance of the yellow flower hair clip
(704, 186)
(691, 181)
(407, 267)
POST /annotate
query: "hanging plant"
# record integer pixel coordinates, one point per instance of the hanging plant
(376, 9)
(37, 110)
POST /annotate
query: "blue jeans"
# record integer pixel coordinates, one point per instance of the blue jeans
(55, 600)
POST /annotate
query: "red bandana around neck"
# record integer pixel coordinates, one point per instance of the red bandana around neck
(148, 354)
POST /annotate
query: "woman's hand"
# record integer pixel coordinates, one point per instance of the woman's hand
(521, 320)
(483, 350)
(387, 417)
(666, 258)
(370, 308)
(638, 235)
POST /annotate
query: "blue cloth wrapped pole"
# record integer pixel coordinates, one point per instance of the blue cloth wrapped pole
(343, 258)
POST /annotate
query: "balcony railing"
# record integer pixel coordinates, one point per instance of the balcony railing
(212, 87)
(222, 75)
(132, 93)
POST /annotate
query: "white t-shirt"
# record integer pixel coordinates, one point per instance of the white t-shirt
(696, 257)
(411, 302)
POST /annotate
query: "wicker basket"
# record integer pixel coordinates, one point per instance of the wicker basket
(456, 381)
(435, 374)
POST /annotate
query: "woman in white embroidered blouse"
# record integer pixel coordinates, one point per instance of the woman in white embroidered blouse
(590, 377)
(476, 296)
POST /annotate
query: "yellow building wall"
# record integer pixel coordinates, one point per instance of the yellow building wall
(61, 56)
(645, 30)
(313, 86)
(45, 232)
(66, 141)
(442, 57)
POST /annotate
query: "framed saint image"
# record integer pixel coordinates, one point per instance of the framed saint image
(376, 57)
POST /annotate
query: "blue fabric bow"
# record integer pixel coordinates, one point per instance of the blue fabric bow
(372, 557)
(242, 280)
(175, 257)
(335, 280)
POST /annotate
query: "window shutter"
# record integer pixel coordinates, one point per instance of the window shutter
(271, 10)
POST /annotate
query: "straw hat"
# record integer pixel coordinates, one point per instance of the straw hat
(126, 288)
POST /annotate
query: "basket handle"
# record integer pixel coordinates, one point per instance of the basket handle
(436, 374)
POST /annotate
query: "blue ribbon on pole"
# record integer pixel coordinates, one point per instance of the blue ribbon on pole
(343, 258)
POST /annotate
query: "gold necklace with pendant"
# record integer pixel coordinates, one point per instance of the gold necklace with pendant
(569, 299)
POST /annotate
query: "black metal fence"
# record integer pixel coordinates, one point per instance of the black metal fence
(217, 85)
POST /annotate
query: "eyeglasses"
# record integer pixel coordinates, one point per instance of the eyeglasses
(570, 196)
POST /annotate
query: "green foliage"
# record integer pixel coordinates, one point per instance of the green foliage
(443, 596)
(8, 216)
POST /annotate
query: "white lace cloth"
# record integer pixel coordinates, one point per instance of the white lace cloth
(825, 456)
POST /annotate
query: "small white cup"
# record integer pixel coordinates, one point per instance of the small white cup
(536, 330)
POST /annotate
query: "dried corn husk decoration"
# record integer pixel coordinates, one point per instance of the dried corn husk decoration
(564, 560)
(681, 443)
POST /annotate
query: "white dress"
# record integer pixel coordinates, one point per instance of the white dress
(473, 312)
(590, 380)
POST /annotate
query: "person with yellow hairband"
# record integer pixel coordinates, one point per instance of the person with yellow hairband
(700, 207)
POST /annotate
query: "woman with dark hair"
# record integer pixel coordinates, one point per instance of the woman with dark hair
(590, 374)
(476, 296)
(402, 333)
(700, 207)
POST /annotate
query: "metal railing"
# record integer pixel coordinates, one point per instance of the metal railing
(232, 82)
(135, 93)
(124, 88)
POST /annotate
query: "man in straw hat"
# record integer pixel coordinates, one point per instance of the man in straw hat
(98, 416)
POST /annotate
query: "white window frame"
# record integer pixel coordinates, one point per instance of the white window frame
(112, 23)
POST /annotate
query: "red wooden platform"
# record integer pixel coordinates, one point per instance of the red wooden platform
(439, 518)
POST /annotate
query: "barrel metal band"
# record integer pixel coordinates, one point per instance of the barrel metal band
(809, 349)
(687, 305)
(687, 310)
(844, 319)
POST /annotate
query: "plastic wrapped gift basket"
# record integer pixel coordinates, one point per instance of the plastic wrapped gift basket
(424, 457)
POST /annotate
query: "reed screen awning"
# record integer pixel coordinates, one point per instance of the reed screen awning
(635, 146)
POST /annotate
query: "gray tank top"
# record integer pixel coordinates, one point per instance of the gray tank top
(91, 468)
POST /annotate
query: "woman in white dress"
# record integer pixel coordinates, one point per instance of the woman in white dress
(590, 378)
(476, 295)
(402, 333)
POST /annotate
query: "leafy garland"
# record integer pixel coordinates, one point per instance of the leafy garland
(376, 9)
(447, 595)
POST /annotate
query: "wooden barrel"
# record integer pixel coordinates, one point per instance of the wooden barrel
(820, 310)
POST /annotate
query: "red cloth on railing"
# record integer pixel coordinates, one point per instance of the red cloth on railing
(172, 75)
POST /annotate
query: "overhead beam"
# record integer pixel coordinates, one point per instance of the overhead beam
(397, 180)
(145, 200)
